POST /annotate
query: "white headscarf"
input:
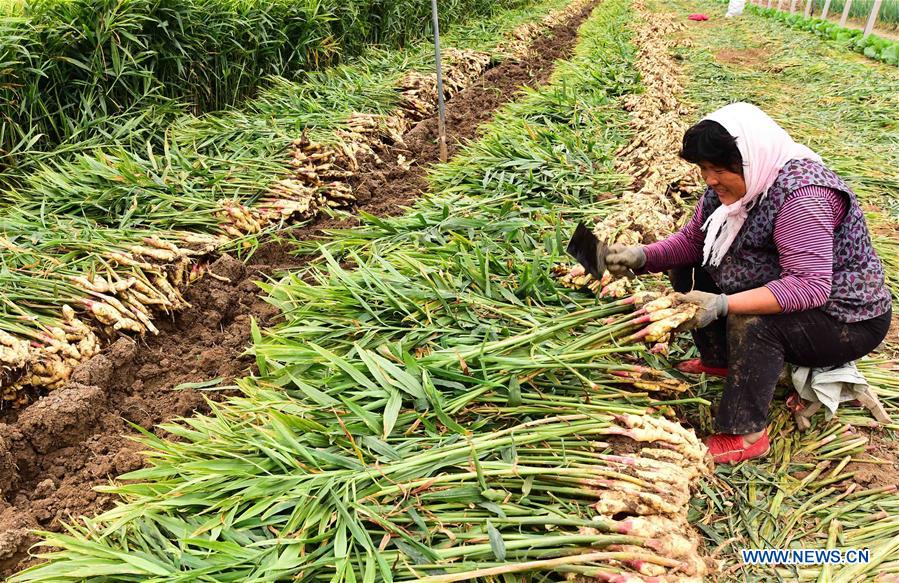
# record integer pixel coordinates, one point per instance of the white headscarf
(765, 148)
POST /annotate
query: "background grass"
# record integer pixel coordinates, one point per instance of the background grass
(72, 69)
(860, 9)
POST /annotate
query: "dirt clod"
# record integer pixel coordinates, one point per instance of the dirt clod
(14, 527)
(876, 475)
(229, 268)
(96, 371)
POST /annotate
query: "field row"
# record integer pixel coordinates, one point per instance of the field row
(873, 46)
(71, 438)
(84, 71)
(414, 402)
(106, 242)
(436, 402)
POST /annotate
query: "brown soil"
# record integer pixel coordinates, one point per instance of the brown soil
(55, 451)
(743, 57)
(876, 475)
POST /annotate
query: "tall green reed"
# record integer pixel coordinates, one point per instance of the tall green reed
(70, 68)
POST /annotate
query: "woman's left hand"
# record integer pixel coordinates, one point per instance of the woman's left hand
(711, 307)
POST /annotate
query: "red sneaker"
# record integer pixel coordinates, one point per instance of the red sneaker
(731, 449)
(695, 366)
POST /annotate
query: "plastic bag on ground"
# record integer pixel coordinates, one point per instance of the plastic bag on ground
(735, 8)
(829, 386)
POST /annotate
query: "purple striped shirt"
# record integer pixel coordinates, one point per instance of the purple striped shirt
(803, 235)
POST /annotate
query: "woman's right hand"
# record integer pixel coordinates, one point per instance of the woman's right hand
(624, 258)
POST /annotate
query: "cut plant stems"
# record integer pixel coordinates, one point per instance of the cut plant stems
(160, 212)
(368, 412)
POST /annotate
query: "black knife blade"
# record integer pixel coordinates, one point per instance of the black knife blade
(589, 251)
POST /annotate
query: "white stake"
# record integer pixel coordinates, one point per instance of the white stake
(808, 8)
(441, 111)
(845, 16)
(872, 18)
(825, 10)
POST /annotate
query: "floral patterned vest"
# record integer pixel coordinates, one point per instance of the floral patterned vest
(858, 291)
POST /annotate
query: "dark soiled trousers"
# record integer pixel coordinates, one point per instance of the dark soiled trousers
(754, 349)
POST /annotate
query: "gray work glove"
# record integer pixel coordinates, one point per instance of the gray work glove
(711, 307)
(623, 258)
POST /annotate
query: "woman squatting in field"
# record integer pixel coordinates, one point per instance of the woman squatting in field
(779, 258)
